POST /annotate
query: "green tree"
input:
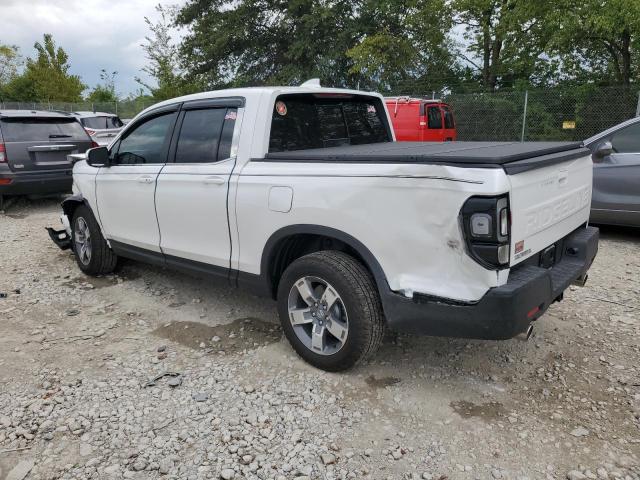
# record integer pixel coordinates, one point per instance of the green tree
(106, 91)
(404, 46)
(506, 40)
(46, 78)
(10, 62)
(162, 54)
(597, 40)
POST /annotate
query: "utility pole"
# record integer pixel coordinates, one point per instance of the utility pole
(524, 114)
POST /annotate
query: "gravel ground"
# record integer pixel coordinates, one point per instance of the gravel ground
(77, 353)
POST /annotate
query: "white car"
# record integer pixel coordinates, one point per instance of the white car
(301, 194)
(102, 127)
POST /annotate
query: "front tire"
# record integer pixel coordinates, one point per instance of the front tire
(330, 310)
(93, 255)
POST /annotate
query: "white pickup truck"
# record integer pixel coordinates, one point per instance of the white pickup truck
(302, 195)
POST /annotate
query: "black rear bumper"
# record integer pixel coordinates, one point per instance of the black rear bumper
(36, 183)
(504, 311)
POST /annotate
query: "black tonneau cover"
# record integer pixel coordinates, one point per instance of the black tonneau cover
(513, 157)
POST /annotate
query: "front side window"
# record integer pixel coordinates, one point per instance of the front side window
(434, 117)
(146, 142)
(206, 135)
(306, 121)
(627, 140)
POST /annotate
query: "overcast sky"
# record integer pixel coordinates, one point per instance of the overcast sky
(95, 33)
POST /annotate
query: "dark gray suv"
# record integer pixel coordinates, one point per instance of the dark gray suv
(33, 151)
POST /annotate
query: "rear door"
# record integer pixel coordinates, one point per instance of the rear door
(191, 196)
(125, 191)
(616, 179)
(42, 143)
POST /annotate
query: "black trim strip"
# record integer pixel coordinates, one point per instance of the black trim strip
(193, 267)
(377, 160)
(228, 102)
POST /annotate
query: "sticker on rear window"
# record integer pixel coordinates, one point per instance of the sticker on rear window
(281, 108)
(371, 109)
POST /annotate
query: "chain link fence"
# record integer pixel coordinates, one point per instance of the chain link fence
(125, 109)
(571, 114)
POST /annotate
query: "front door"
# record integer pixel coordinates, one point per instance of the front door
(125, 191)
(191, 196)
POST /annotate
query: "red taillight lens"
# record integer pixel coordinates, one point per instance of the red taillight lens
(5, 181)
(94, 145)
(3, 153)
(90, 132)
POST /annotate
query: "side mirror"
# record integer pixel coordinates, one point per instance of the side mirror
(602, 151)
(98, 157)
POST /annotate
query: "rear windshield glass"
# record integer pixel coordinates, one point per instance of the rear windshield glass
(41, 129)
(102, 122)
(301, 122)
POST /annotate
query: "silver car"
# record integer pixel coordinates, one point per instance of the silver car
(102, 127)
(616, 175)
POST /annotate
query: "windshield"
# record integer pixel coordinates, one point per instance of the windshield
(305, 121)
(41, 129)
(102, 122)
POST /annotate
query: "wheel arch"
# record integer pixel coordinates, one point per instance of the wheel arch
(70, 204)
(290, 243)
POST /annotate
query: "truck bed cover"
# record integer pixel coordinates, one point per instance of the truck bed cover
(513, 157)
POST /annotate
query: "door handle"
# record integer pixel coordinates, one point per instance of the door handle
(215, 180)
(145, 179)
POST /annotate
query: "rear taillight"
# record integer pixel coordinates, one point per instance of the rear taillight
(3, 153)
(486, 225)
(90, 132)
(94, 145)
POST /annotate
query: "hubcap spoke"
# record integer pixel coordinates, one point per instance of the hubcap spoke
(306, 291)
(329, 297)
(337, 329)
(301, 316)
(317, 338)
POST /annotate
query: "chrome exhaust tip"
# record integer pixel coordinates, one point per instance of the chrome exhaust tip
(524, 336)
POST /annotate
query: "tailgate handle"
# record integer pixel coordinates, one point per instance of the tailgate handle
(50, 148)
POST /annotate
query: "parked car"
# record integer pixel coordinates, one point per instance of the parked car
(102, 127)
(616, 175)
(300, 194)
(33, 151)
(420, 120)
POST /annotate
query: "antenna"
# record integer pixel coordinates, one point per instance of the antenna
(312, 83)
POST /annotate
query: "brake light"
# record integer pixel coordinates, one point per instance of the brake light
(94, 144)
(5, 181)
(487, 227)
(3, 153)
(90, 132)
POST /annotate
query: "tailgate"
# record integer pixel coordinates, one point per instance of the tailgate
(547, 204)
(33, 156)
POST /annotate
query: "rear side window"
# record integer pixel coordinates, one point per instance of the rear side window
(206, 135)
(302, 122)
(146, 142)
(627, 140)
(434, 117)
(448, 118)
(102, 122)
(42, 129)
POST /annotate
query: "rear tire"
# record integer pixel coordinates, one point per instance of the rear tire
(330, 310)
(93, 255)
